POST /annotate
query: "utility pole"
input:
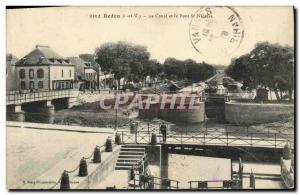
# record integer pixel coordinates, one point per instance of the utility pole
(116, 113)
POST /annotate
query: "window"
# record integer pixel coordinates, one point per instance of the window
(31, 85)
(40, 84)
(31, 73)
(22, 73)
(40, 73)
(23, 85)
(62, 73)
(62, 85)
(70, 73)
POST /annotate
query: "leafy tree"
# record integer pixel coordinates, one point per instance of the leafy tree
(174, 69)
(267, 65)
(122, 59)
(187, 69)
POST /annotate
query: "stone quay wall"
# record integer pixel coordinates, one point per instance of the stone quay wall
(255, 113)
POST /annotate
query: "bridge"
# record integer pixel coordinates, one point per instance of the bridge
(16, 101)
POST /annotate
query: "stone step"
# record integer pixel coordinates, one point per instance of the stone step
(133, 149)
(122, 167)
(130, 164)
(128, 159)
(130, 156)
(133, 146)
(132, 153)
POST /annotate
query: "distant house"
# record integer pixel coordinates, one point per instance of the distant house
(85, 75)
(103, 80)
(91, 77)
(11, 84)
(43, 69)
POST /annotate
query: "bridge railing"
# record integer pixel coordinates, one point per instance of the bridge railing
(18, 98)
(273, 140)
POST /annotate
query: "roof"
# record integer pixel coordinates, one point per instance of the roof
(11, 58)
(80, 65)
(43, 55)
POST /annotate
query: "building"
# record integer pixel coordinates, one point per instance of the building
(91, 77)
(79, 72)
(86, 77)
(43, 69)
(11, 84)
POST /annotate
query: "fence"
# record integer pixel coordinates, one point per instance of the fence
(18, 98)
(215, 184)
(151, 182)
(270, 140)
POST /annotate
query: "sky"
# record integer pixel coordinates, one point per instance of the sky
(71, 31)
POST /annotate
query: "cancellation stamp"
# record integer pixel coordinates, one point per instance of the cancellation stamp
(218, 29)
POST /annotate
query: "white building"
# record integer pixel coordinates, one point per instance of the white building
(43, 69)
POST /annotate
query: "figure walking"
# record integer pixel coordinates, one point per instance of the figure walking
(163, 131)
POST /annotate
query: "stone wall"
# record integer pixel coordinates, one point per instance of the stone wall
(175, 115)
(254, 113)
(101, 171)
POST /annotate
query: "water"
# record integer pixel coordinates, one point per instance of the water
(90, 115)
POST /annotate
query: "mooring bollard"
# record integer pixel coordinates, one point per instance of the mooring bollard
(252, 180)
(286, 152)
(118, 140)
(108, 145)
(83, 172)
(153, 139)
(65, 182)
(97, 155)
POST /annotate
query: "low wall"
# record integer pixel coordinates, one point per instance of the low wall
(176, 116)
(253, 113)
(100, 171)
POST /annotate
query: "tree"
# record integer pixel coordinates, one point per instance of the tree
(267, 65)
(174, 69)
(122, 59)
(187, 69)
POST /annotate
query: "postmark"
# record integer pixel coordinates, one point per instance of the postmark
(216, 30)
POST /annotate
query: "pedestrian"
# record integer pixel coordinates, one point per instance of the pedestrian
(163, 131)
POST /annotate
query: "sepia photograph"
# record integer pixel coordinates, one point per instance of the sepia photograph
(150, 98)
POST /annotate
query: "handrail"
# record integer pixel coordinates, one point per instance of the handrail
(161, 179)
(37, 95)
(205, 138)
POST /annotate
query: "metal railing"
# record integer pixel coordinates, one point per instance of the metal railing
(152, 182)
(214, 184)
(18, 98)
(270, 140)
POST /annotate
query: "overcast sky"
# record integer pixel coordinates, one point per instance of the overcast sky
(71, 31)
